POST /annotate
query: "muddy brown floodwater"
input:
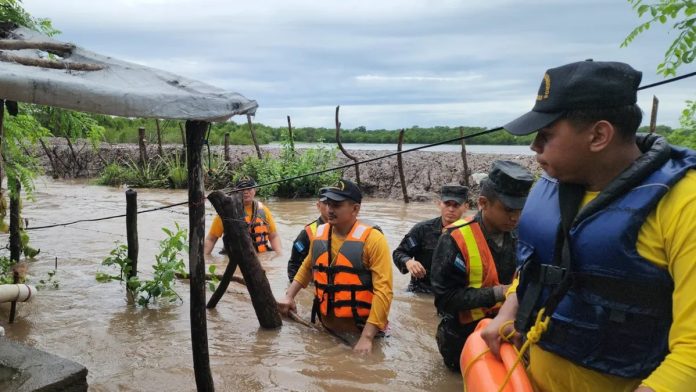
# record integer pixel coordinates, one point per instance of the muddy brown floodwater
(129, 348)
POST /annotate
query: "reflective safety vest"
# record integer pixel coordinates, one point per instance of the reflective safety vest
(258, 227)
(311, 229)
(479, 264)
(343, 285)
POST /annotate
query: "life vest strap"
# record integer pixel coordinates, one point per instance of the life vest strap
(341, 268)
(333, 288)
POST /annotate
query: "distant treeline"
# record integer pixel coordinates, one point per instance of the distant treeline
(124, 130)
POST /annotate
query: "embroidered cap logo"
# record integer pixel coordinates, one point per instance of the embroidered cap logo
(545, 88)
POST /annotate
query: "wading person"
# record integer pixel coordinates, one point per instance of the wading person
(262, 227)
(350, 265)
(415, 252)
(474, 260)
(300, 247)
(607, 242)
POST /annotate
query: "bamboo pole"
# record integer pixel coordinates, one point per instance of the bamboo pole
(253, 136)
(653, 114)
(195, 136)
(237, 241)
(141, 145)
(464, 160)
(159, 138)
(132, 230)
(402, 177)
(344, 151)
(227, 146)
(292, 140)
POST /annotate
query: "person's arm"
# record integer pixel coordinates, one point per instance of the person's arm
(506, 316)
(216, 231)
(209, 244)
(450, 281)
(403, 254)
(301, 280)
(300, 249)
(273, 236)
(378, 260)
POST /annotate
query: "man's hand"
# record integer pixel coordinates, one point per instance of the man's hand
(492, 333)
(286, 305)
(416, 269)
(364, 345)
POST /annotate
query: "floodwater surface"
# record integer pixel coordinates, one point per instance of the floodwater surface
(130, 348)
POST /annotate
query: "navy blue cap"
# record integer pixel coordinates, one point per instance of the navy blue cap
(342, 190)
(511, 182)
(245, 182)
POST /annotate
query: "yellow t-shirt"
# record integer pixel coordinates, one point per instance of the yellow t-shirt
(668, 240)
(377, 258)
(216, 228)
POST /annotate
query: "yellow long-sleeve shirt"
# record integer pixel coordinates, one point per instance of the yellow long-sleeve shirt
(377, 258)
(216, 228)
(668, 240)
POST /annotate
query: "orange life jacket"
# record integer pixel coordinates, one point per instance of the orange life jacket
(479, 264)
(258, 227)
(344, 285)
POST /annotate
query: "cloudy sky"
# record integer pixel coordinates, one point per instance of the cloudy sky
(388, 63)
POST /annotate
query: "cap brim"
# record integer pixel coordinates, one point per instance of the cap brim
(531, 122)
(333, 196)
(514, 202)
(452, 198)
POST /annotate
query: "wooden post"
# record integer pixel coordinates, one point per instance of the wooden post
(653, 114)
(253, 136)
(132, 230)
(141, 144)
(402, 178)
(227, 146)
(292, 140)
(183, 135)
(344, 151)
(464, 161)
(15, 239)
(237, 241)
(159, 138)
(195, 136)
(2, 140)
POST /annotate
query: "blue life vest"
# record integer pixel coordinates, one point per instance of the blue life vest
(615, 318)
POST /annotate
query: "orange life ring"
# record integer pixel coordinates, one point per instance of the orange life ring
(483, 372)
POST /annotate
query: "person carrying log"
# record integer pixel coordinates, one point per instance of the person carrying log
(350, 264)
(262, 227)
(415, 252)
(474, 260)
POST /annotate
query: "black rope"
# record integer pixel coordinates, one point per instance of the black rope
(674, 79)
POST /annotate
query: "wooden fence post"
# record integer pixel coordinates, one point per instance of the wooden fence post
(183, 135)
(132, 230)
(195, 136)
(464, 160)
(292, 140)
(402, 178)
(159, 138)
(653, 114)
(253, 136)
(237, 242)
(344, 151)
(141, 145)
(227, 146)
(15, 239)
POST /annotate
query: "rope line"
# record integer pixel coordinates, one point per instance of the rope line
(347, 165)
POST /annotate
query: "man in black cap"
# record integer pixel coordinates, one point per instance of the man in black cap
(607, 242)
(415, 252)
(300, 247)
(259, 218)
(474, 261)
(349, 263)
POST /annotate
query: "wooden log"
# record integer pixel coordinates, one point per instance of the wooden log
(402, 177)
(159, 138)
(239, 246)
(653, 114)
(344, 151)
(292, 140)
(13, 305)
(141, 145)
(224, 283)
(132, 230)
(227, 146)
(46, 63)
(209, 276)
(464, 160)
(17, 44)
(253, 136)
(195, 136)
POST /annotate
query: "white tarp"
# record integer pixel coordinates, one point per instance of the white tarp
(120, 88)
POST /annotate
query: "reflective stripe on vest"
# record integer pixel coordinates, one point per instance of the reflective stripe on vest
(479, 264)
(311, 229)
(343, 287)
(259, 229)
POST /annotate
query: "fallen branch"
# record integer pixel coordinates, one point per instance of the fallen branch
(46, 63)
(17, 44)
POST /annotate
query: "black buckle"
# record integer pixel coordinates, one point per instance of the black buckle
(551, 274)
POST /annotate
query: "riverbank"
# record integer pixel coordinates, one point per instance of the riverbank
(424, 171)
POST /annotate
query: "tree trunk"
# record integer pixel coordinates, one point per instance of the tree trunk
(132, 230)
(402, 177)
(253, 136)
(195, 135)
(238, 244)
(344, 151)
(142, 146)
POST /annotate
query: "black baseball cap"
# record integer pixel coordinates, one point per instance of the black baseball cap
(582, 85)
(456, 193)
(342, 190)
(511, 183)
(245, 182)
